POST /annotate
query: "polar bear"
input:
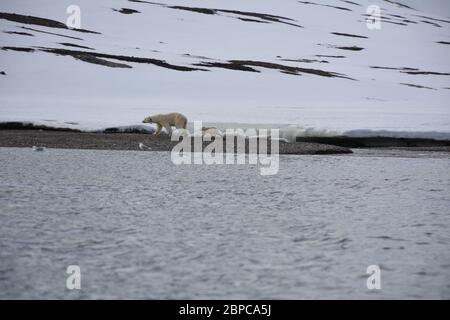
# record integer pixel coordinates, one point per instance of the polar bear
(167, 121)
(211, 132)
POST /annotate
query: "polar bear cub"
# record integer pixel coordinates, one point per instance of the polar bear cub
(167, 121)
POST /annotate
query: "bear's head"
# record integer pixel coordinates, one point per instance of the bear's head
(147, 120)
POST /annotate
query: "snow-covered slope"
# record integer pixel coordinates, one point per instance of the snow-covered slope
(307, 64)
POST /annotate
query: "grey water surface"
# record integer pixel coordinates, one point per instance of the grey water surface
(140, 227)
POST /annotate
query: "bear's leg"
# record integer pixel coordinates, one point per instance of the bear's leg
(184, 123)
(158, 128)
(168, 129)
(181, 125)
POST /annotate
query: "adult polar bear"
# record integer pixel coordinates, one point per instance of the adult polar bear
(167, 121)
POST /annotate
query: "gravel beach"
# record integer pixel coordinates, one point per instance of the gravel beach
(129, 141)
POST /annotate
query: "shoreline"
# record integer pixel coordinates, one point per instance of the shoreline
(131, 141)
(113, 140)
(419, 144)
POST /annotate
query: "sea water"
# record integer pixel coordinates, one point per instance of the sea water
(137, 226)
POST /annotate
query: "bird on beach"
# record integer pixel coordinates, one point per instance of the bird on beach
(143, 146)
(35, 148)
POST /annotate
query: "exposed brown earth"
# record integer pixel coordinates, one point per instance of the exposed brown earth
(39, 21)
